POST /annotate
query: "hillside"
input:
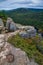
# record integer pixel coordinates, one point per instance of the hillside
(26, 16)
(32, 46)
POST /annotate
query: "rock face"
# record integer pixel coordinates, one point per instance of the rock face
(26, 31)
(20, 57)
(24, 34)
(32, 32)
(29, 32)
(4, 49)
(1, 24)
(10, 25)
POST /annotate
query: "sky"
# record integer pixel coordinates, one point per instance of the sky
(13, 4)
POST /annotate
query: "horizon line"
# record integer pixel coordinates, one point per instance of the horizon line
(21, 7)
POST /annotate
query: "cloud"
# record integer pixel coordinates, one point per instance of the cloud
(2, 0)
(22, 2)
(13, 4)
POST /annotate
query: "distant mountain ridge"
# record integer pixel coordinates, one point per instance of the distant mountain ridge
(26, 16)
(26, 9)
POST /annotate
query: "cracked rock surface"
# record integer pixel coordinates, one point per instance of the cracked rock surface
(20, 57)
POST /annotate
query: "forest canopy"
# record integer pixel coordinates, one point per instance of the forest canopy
(25, 16)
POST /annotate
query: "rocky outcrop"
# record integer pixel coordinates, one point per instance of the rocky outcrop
(10, 25)
(27, 32)
(9, 53)
(1, 24)
(4, 48)
(20, 58)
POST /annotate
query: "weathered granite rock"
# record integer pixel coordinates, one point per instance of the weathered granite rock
(4, 49)
(24, 34)
(20, 57)
(1, 24)
(28, 34)
(10, 25)
(32, 32)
